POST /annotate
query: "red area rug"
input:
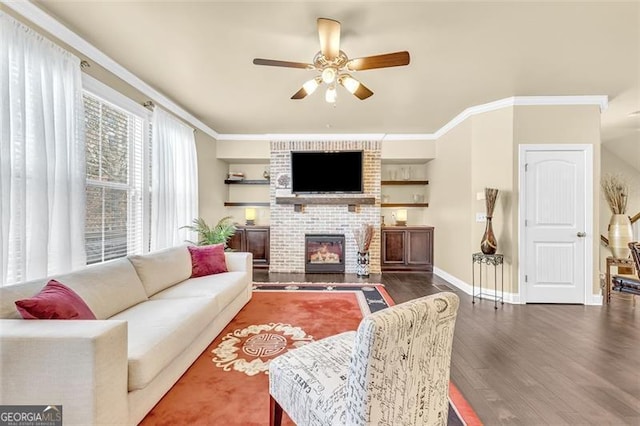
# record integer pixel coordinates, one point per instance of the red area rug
(228, 384)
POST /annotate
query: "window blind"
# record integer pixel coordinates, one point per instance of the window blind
(116, 140)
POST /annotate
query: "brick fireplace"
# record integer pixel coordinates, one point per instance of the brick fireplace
(289, 227)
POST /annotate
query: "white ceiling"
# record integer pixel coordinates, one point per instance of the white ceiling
(462, 54)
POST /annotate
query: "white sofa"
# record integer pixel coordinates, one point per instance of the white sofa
(152, 323)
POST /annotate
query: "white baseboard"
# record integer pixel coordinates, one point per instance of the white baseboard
(512, 298)
(595, 299)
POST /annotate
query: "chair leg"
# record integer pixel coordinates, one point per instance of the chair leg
(275, 412)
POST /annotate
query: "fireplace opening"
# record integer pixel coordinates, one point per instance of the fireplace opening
(324, 253)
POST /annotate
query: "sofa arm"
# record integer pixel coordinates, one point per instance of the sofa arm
(239, 261)
(81, 365)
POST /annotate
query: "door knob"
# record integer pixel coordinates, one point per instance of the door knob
(581, 234)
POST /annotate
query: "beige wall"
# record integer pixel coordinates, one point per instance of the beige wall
(420, 150)
(492, 151)
(483, 152)
(212, 191)
(237, 151)
(450, 205)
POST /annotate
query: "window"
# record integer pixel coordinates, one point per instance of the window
(116, 146)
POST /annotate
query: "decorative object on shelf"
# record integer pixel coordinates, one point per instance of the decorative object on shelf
(235, 176)
(250, 216)
(385, 198)
(283, 181)
(489, 244)
(266, 174)
(363, 236)
(418, 198)
(283, 185)
(401, 217)
(393, 173)
(616, 191)
(406, 173)
(220, 233)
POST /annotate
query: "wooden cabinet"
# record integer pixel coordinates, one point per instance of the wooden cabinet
(253, 239)
(407, 248)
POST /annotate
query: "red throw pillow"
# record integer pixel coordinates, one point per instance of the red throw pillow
(55, 301)
(207, 260)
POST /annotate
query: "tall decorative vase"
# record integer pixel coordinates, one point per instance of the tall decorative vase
(489, 245)
(620, 235)
(362, 266)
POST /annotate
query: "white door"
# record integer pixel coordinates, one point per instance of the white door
(555, 206)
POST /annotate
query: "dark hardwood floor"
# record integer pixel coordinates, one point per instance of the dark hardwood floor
(532, 364)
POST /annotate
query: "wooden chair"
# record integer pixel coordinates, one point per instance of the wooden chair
(629, 283)
(394, 370)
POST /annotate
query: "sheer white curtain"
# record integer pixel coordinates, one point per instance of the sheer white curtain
(174, 181)
(42, 162)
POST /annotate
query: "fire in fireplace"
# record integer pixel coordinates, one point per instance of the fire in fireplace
(324, 253)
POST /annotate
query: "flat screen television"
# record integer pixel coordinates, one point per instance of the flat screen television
(316, 172)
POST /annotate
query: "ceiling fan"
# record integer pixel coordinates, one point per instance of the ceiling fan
(334, 65)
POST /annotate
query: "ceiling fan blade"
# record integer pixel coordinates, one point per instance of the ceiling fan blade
(286, 64)
(300, 94)
(329, 33)
(355, 87)
(363, 92)
(395, 59)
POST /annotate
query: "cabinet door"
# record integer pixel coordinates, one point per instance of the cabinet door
(236, 242)
(420, 248)
(393, 247)
(257, 243)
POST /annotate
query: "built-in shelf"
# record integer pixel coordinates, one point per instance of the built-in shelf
(246, 204)
(247, 182)
(351, 202)
(405, 182)
(404, 205)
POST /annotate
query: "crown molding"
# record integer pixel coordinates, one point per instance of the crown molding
(600, 100)
(302, 137)
(46, 22)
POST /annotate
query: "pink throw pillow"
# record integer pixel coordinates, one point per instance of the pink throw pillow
(54, 301)
(207, 260)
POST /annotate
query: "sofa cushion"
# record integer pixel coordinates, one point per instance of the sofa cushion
(159, 331)
(207, 260)
(222, 287)
(107, 288)
(10, 293)
(54, 301)
(163, 268)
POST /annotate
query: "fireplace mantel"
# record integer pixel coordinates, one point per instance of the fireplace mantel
(351, 202)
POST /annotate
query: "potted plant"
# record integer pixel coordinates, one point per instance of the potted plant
(207, 235)
(616, 191)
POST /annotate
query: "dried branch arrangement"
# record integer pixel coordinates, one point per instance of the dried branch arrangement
(616, 191)
(490, 195)
(363, 237)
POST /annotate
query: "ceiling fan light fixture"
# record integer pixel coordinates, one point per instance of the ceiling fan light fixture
(331, 95)
(329, 75)
(350, 83)
(311, 86)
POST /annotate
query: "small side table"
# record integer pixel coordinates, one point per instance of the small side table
(612, 261)
(488, 259)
